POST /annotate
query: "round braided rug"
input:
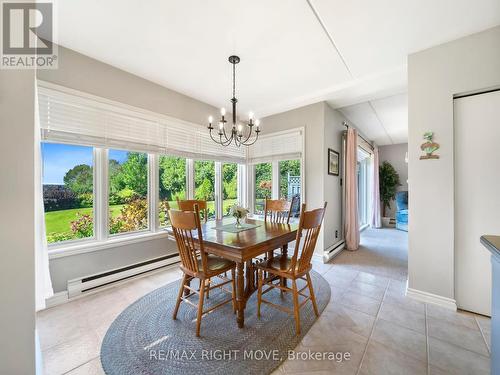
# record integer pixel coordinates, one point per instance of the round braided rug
(144, 339)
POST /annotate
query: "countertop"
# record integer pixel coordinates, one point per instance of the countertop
(492, 243)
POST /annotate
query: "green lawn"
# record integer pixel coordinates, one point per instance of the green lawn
(59, 222)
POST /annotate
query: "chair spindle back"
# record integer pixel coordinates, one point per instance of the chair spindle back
(188, 205)
(278, 211)
(308, 232)
(183, 225)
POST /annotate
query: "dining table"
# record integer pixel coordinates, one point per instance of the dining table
(244, 247)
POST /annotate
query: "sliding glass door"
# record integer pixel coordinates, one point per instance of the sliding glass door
(363, 164)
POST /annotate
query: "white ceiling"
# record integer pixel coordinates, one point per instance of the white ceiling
(293, 52)
(384, 121)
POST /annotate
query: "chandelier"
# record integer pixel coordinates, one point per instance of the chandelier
(239, 134)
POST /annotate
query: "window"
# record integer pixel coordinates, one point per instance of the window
(172, 184)
(229, 187)
(263, 185)
(204, 184)
(68, 191)
(128, 191)
(362, 173)
(289, 179)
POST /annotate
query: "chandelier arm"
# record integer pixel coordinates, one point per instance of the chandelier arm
(249, 135)
(213, 139)
(237, 141)
(224, 131)
(255, 140)
(227, 142)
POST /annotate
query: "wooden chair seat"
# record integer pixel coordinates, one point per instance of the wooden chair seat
(216, 265)
(279, 265)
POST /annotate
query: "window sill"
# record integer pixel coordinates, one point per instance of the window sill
(91, 246)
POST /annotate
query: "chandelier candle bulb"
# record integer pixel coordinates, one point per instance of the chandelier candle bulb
(223, 111)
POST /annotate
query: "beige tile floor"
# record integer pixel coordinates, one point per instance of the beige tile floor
(368, 316)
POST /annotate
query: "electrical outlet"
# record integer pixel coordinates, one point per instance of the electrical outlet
(336, 234)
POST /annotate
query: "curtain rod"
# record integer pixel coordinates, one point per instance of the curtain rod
(360, 136)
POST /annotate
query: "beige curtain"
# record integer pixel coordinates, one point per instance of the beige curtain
(376, 220)
(351, 193)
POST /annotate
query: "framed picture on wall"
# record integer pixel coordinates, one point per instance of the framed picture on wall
(333, 162)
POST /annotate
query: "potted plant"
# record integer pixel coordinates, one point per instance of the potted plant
(389, 181)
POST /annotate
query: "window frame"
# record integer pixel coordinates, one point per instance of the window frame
(103, 240)
(275, 180)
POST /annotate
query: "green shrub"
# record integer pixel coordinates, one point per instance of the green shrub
(83, 226)
(133, 217)
(85, 200)
(58, 237)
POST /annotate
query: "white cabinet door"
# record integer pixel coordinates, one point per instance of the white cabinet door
(477, 196)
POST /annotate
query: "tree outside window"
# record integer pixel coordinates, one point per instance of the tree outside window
(229, 187)
(263, 185)
(128, 191)
(68, 187)
(172, 184)
(204, 183)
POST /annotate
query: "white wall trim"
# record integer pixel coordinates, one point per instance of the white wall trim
(57, 299)
(426, 297)
(91, 246)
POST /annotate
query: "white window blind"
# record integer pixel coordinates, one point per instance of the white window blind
(78, 118)
(284, 145)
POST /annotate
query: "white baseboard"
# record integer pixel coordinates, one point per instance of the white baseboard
(57, 299)
(422, 296)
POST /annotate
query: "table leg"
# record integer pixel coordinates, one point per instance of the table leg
(249, 277)
(240, 295)
(284, 252)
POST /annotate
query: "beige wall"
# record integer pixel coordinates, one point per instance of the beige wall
(395, 154)
(332, 188)
(323, 130)
(17, 275)
(83, 73)
(434, 76)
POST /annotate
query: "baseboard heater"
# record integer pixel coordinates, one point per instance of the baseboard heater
(91, 283)
(333, 250)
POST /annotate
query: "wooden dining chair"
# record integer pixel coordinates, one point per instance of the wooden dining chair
(293, 268)
(196, 263)
(188, 205)
(278, 210)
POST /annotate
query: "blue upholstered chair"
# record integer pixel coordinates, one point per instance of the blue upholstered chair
(402, 210)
